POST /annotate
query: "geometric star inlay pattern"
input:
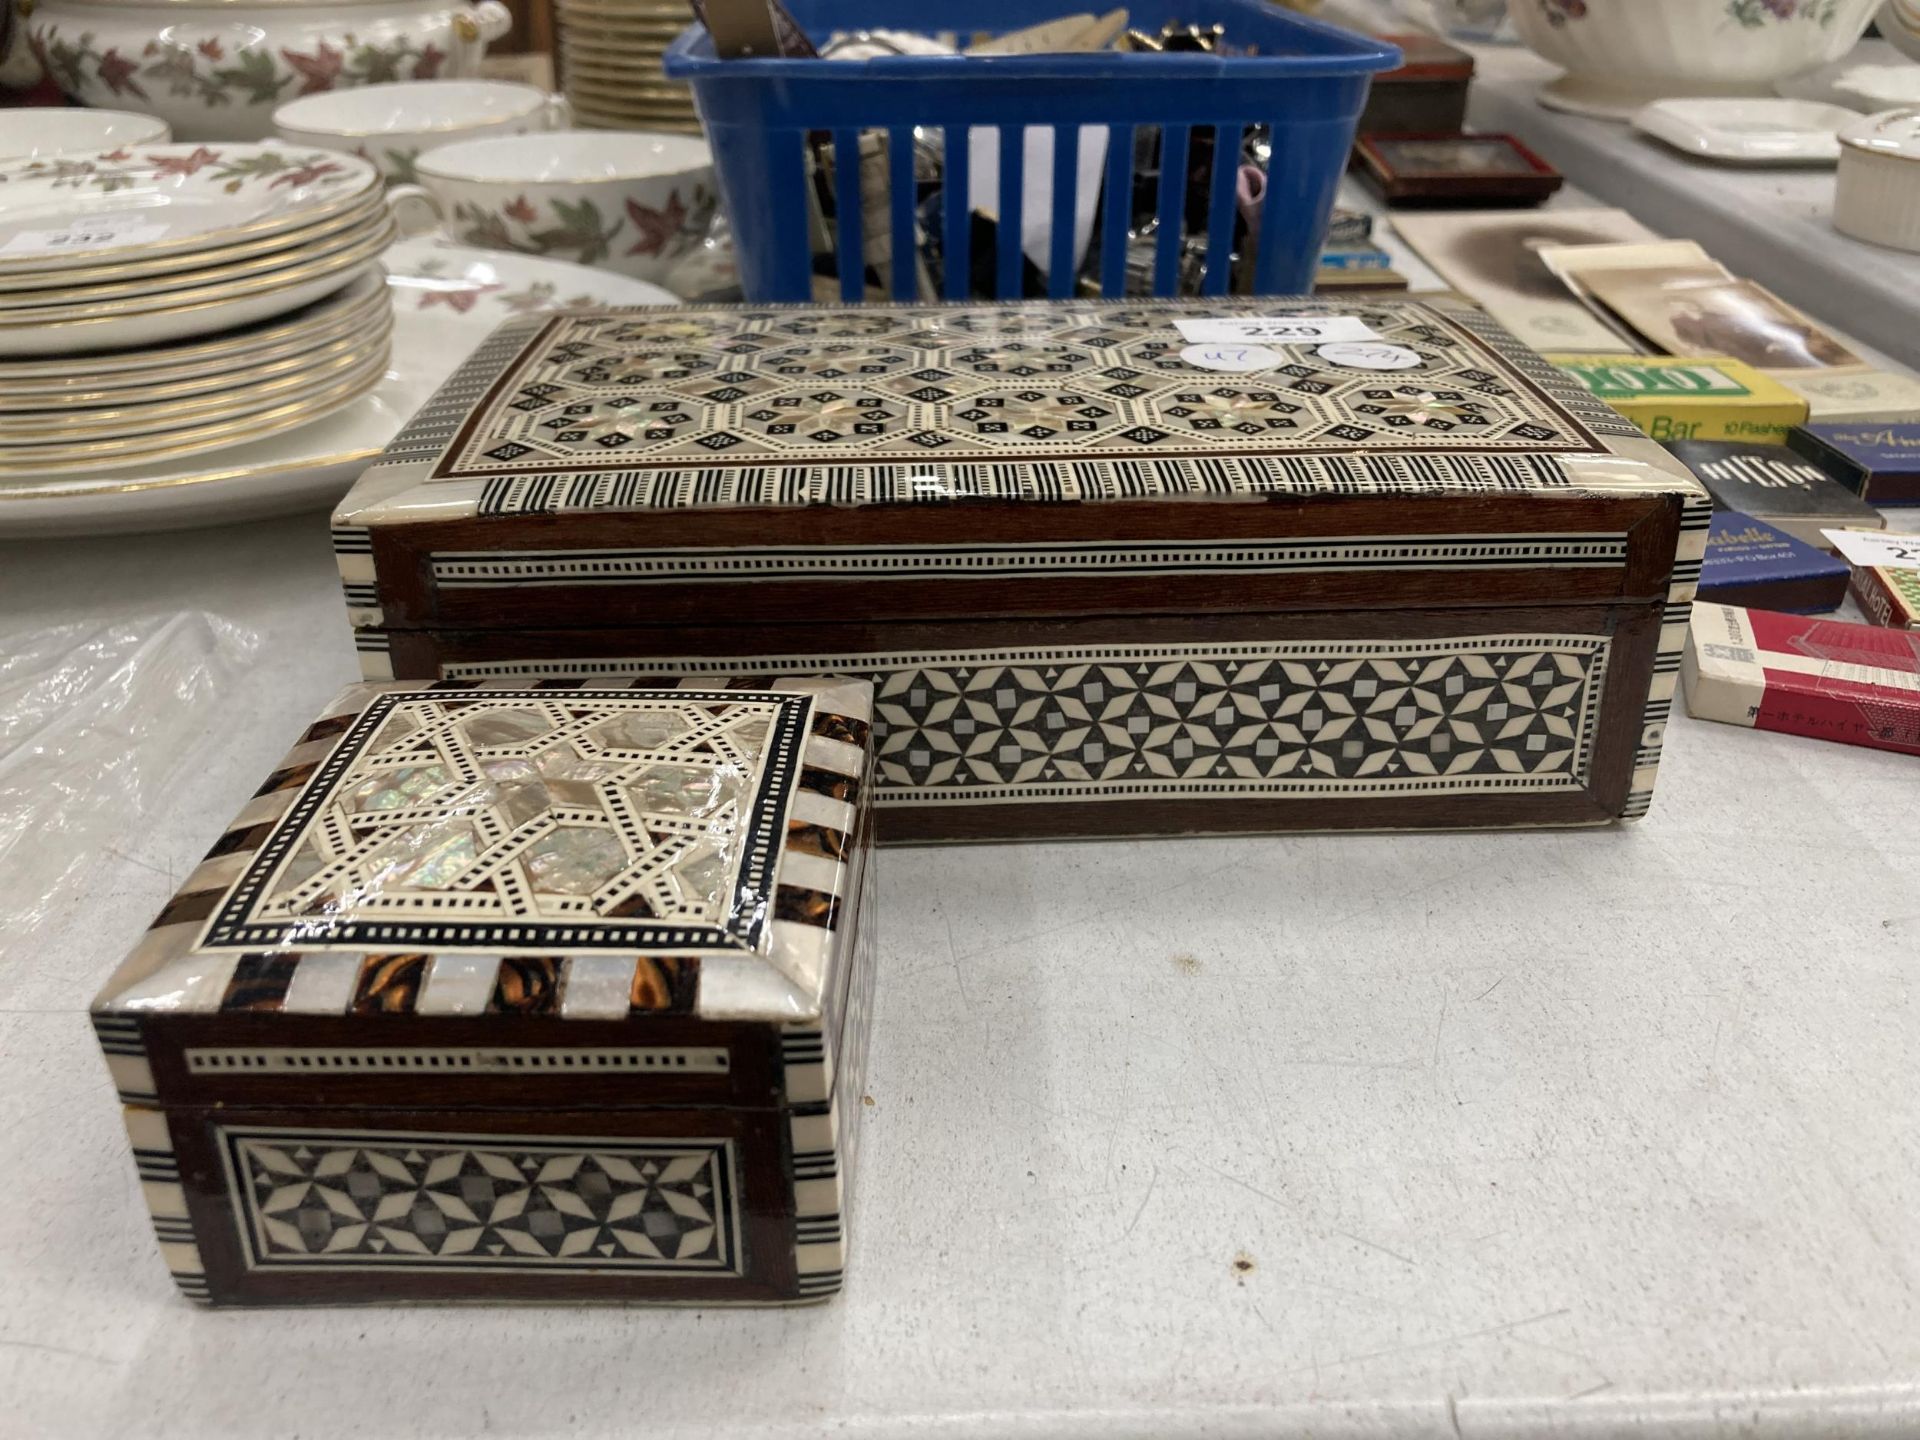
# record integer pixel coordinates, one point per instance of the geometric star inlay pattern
(371, 1200)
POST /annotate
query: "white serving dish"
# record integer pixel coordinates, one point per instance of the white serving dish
(1748, 132)
(1476, 22)
(447, 298)
(626, 201)
(394, 125)
(217, 69)
(1819, 83)
(1877, 198)
(40, 132)
(1623, 54)
(1874, 88)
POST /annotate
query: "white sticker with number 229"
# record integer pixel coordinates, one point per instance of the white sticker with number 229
(1275, 330)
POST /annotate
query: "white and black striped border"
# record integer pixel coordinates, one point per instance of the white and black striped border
(159, 1169)
(126, 1056)
(168, 972)
(1696, 518)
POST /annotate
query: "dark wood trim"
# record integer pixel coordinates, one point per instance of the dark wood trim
(1137, 819)
(765, 1203)
(424, 652)
(409, 598)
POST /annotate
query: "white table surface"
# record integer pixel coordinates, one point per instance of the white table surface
(1472, 1134)
(1456, 1136)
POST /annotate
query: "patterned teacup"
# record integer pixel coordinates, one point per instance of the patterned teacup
(394, 125)
(627, 201)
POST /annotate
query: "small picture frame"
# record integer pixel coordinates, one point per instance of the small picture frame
(1454, 169)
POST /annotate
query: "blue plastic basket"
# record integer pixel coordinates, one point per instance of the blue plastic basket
(1307, 83)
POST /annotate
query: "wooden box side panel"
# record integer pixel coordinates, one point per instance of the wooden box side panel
(294, 1206)
(1238, 692)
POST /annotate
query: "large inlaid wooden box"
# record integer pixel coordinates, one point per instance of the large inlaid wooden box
(1373, 565)
(538, 992)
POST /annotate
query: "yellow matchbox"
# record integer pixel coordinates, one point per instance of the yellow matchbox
(1680, 398)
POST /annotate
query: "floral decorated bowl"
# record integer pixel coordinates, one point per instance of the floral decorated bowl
(626, 201)
(217, 69)
(394, 125)
(1622, 54)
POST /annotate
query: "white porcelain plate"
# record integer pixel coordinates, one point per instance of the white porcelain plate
(80, 210)
(1818, 83)
(1873, 88)
(1749, 132)
(196, 312)
(447, 299)
(270, 340)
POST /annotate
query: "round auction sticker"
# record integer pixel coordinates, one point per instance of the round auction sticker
(1234, 359)
(1360, 355)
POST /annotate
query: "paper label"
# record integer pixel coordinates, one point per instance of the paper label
(1370, 357)
(108, 230)
(1276, 329)
(1877, 549)
(1234, 359)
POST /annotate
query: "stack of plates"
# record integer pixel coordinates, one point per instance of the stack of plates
(610, 64)
(170, 298)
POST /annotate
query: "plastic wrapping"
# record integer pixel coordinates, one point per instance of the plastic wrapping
(97, 723)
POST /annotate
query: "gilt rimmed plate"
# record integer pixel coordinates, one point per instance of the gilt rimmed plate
(243, 395)
(164, 267)
(196, 313)
(81, 210)
(573, 31)
(447, 298)
(68, 399)
(659, 17)
(146, 292)
(323, 320)
(107, 455)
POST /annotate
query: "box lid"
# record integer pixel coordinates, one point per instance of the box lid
(1745, 550)
(1831, 679)
(1862, 450)
(1426, 58)
(1081, 439)
(1627, 380)
(1774, 483)
(587, 852)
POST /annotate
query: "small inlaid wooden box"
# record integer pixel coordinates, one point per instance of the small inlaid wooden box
(541, 992)
(1379, 566)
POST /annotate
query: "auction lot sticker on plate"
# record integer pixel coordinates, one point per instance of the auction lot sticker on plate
(86, 235)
